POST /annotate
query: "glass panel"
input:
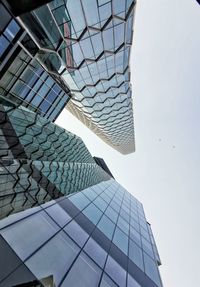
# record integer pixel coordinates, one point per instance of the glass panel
(111, 214)
(3, 44)
(4, 16)
(84, 273)
(147, 247)
(93, 213)
(12, 29)
(116, 272)
(17, 216)
(54, 258)
(44, 106)
(95, 251)
(135, 254)
(47, 25)
(90, 194)
(27, 235)
(106, 226)
(79, 200)
(100, 203)
(91, 12)
(134, 235)
(107, 282)
(76, 15)
(132, 282)
(123, 225)
(77, 233)
(121, 240)
(51, 96)
(58, 214)
(151, 269)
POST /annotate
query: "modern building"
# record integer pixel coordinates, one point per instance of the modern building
(22, 79)
(85, 45)
(40, 161)
(64, 220)
(63, 215)
(103, 165)
(96, 237)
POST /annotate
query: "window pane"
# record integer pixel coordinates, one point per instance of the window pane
(12, 30)
(84, 273)
(3, 44)
(76, 232)
(54, 258)
(36, 229)
(93, 213)
(116, 272)
(121, 240)
(135, 236)
(107, 282)
(147, 247)
(100, 203)
(123, 225)
(90, 193)
(95, 251)
(135, 254)
(5, 17)
(151, 269)
(58, 214)
(106, 226)
(79, 200)
(132, 282)
(111, 214)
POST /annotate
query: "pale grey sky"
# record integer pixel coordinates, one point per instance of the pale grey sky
(164, 172)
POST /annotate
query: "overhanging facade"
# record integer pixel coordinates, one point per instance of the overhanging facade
(87, 44)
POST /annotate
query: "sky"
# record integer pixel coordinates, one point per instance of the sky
(164, 172)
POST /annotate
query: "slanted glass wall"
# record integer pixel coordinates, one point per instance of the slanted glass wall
(96, 237)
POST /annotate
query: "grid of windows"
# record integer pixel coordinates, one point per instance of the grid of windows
(22, 79)
(126, 226)
(26, 82)
(87, 43)
(77, 237)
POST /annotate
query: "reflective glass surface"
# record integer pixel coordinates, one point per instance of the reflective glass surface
(83, 247)
(23, 80)
(40, 161)
(88, 44)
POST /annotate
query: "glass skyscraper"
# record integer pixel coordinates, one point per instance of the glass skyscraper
(85, 45)
(64, 219)
(96, 237)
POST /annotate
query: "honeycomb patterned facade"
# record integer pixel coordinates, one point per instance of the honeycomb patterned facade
(40, 161)
(87, 44)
